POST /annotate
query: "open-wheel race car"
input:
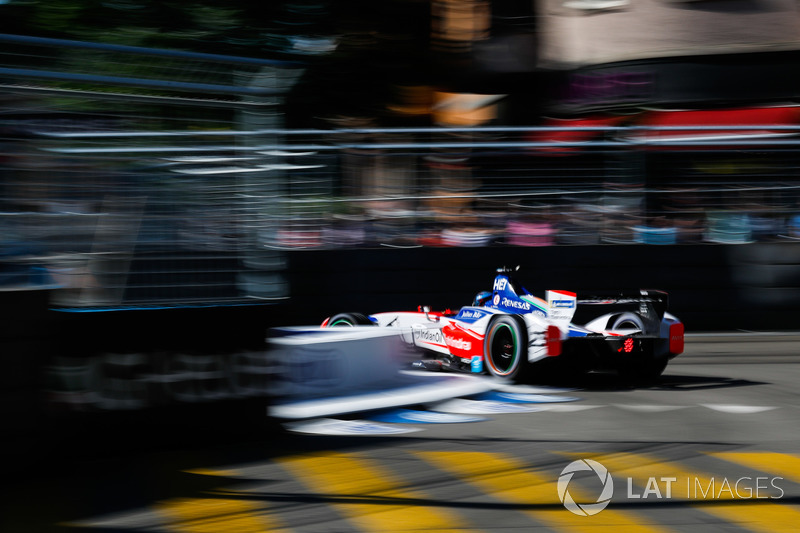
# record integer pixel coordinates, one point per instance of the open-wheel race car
(508, 332)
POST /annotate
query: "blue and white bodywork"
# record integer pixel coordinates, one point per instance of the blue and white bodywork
(507, 330)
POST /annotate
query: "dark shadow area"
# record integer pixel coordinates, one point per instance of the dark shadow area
(726, 6)
(678, 383)
(612, 381)
(112, 462)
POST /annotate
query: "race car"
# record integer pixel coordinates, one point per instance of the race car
(508, 332)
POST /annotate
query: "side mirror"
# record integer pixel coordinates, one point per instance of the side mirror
(426, 309)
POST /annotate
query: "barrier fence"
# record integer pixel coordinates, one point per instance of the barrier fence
(99, 201)
(119, 217)
(140, 177)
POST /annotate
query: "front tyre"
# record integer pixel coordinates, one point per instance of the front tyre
(505, 348)
(349, 320)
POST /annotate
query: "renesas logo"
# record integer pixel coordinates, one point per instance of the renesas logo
(516, 304)
(563, 304)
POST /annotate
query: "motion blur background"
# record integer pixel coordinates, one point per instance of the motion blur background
(181, 176)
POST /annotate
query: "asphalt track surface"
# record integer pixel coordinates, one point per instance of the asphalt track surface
(714, 446)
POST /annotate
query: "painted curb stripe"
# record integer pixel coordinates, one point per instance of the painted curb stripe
(738, 409)
(567, 407)
(650, 408)
(532, 389)
(370, 496)
(407, 416)
(525, 398)
(460, 406)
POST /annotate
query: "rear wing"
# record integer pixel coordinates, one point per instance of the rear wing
(650, 304)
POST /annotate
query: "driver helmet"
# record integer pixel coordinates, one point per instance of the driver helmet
(481, 298)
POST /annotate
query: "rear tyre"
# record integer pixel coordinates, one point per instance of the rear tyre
(505, 348)
(628, 321)
(349, 320)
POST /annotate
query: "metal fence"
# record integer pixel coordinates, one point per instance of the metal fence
(175, 182)
(99, 146)
(126, 217)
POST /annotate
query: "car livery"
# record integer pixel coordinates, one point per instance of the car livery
(508, 332)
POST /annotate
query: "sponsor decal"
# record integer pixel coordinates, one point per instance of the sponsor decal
(471, 314)
(496, 299)
(500, 284)
(563, 304)
(476, 365)
(458, 344)
(516, 304)
(429, 335)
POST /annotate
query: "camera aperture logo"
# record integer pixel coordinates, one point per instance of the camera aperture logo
(585, 509)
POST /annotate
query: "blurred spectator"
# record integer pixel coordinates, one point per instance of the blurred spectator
(683, 208)
(793, 227)
(658, 230)
(532, 224)
(520, 233)
(345, 231)
(728, 227)
(579, 223)
(622, 208)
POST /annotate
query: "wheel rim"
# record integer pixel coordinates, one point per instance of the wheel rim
(342, 322)
(503, 349)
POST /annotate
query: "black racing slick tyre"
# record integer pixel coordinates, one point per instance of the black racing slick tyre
(505, 348)
(349, 320)
(628, 320)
